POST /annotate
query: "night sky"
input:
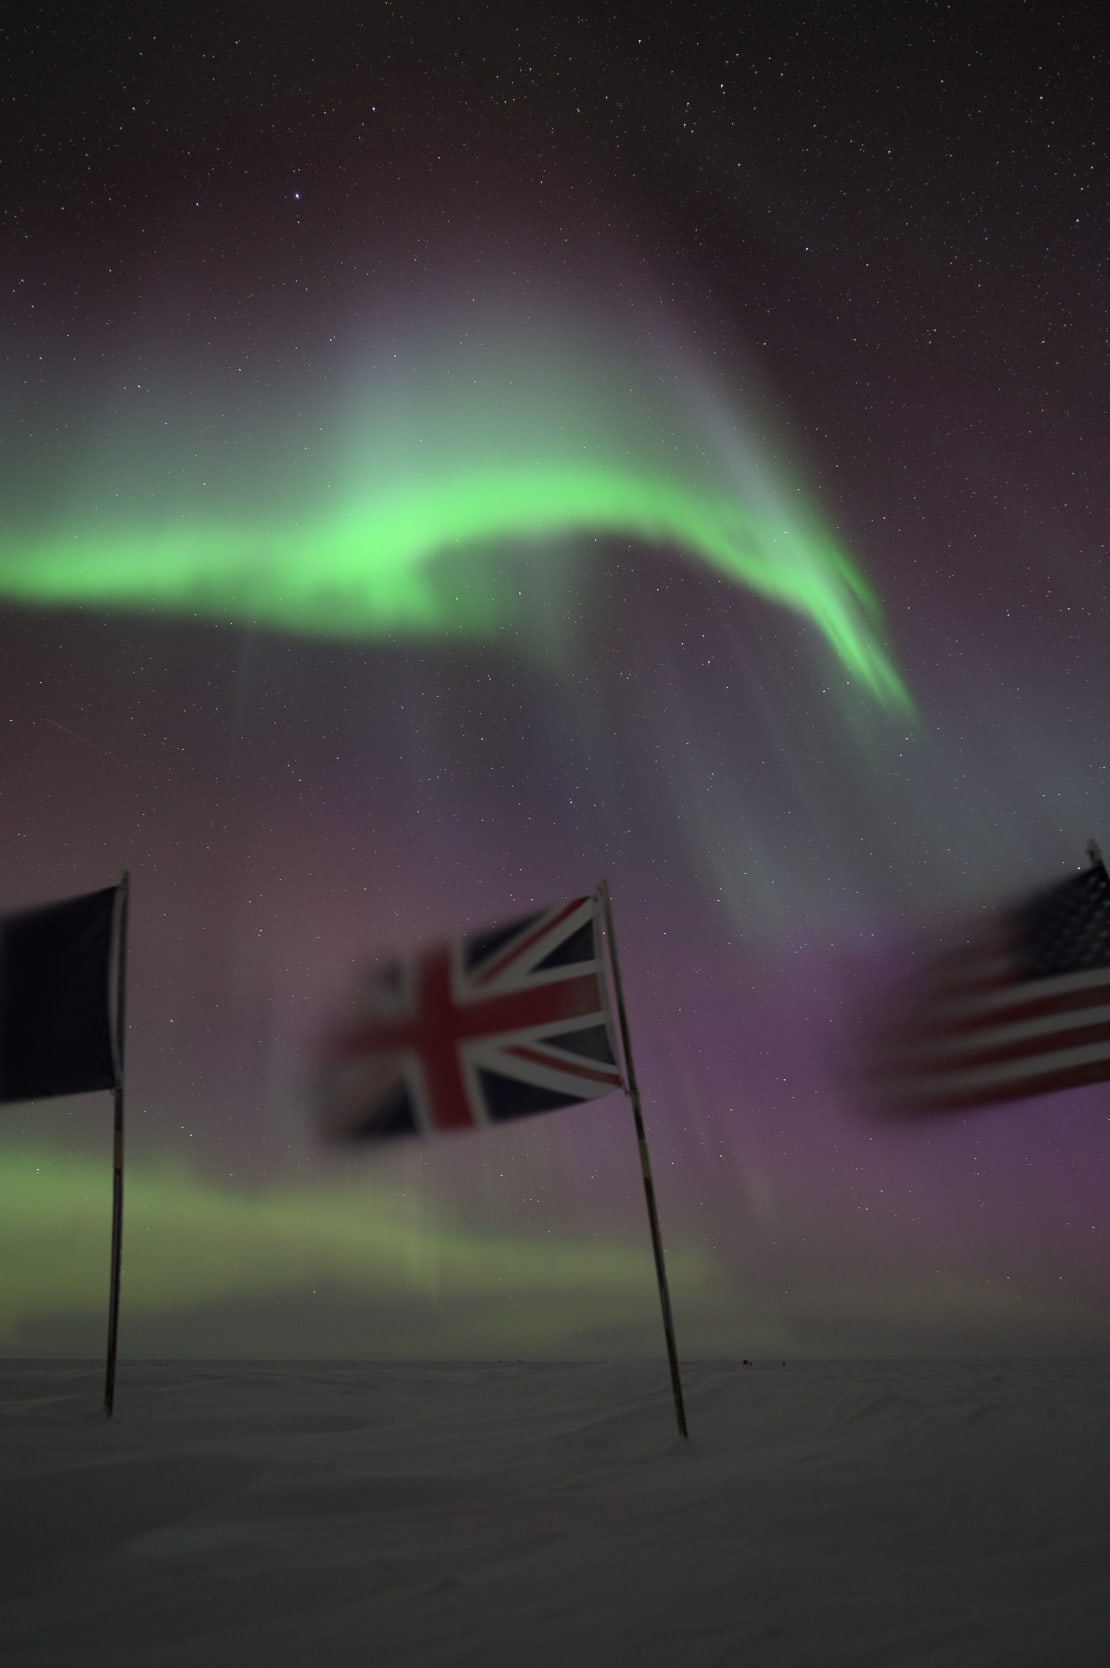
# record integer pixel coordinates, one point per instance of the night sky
(451, 455)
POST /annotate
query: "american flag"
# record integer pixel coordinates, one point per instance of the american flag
(475, 1031)
(1021, 1008)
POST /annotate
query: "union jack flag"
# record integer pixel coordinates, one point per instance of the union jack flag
(475, 1031)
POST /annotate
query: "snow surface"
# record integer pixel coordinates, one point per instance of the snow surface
(319, 1515)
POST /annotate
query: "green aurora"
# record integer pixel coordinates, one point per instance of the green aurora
(191, 1244)
(375, 515)
(268, 1272)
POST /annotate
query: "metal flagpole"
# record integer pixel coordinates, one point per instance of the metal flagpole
(117, 1149)
(645, 1163)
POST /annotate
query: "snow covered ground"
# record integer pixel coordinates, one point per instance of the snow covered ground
(315, 1515)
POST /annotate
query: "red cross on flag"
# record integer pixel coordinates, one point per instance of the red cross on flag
(479, 1030)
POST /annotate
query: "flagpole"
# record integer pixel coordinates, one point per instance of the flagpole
(645, 1163)
(117, 1149)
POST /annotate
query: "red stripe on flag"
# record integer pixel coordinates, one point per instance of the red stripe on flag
(563, 1063)
(1041, 1083)
(518, 948)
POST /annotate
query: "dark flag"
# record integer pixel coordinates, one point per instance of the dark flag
(480, 1030)
(55, 1023)
(1021, 1008)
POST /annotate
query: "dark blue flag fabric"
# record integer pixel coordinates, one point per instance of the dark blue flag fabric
(1020, 1007)
(55, 1020)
